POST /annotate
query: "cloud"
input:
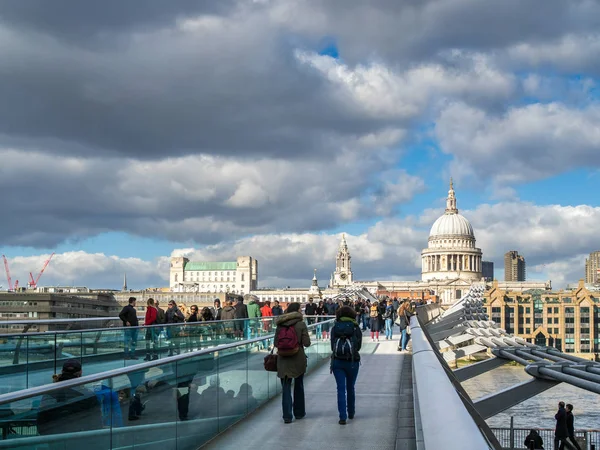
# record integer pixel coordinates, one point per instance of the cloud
(524, 144)
(94, 270)
(202, 199)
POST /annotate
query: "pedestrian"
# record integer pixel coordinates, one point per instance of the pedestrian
(216, 310)
(228, 317)
(346, 341)
(173, 316)
(291, 336)
(241, 314)
(128, 316)
(388, 316)
(276, 309)
(310, 310)
(561, 432)
(151, 336)
(374, 316)
(534, 441)
(571, 426)
(69, 410)
(192, 328)
(403, 322)
(254, 314)
(267, 312)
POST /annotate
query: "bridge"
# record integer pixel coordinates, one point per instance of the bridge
(218, 395)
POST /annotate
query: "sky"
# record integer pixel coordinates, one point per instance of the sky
(267, 128)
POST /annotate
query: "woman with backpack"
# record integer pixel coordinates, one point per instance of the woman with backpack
(375, 319)
(291, 336)
(346, 341)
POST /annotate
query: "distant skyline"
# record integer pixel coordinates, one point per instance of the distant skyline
(264, 128)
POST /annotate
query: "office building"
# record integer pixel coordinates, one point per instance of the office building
(592, 268)
(487, 270)
(514, 266)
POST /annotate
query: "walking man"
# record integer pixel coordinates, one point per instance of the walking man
(129, 317)
(561, 432)
(571, 426)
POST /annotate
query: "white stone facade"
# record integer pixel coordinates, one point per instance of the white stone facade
(343, 276)
(235, 277)
(451, 252)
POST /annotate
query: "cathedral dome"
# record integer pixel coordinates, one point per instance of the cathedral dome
(452, 225)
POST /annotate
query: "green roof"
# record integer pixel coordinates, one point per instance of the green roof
(210, 266)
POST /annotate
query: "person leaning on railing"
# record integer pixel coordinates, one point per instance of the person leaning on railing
(151, 332)
(129, 317)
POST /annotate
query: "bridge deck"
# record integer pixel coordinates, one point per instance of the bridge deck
(384, 411)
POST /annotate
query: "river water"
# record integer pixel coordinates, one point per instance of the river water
(538, 411)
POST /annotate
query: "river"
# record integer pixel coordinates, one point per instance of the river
(538, 411)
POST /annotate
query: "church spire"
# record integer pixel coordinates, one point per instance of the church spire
(125, 281)
(343, 244)
(314, 280)
(451, 201)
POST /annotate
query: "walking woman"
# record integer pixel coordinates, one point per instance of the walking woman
(404, 323)
(291, 360)
(375, 319)
(346, 341)
(151, 332)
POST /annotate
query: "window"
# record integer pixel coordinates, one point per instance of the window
(528, 310)
(549, 310)
(527, 330)
(242, 278)
(527, 320)
(555, 320)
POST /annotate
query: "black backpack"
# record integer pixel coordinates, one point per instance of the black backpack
(345, 346)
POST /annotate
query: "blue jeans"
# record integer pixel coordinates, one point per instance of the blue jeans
(404, 340)
(388, 328)
(365, 321)
(297, 405)
(345, 373)
(130, 336)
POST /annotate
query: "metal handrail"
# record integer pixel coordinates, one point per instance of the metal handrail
(457, 431)
(162, 325)
(48, 388)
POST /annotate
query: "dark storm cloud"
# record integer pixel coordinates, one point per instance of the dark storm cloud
(80, 21)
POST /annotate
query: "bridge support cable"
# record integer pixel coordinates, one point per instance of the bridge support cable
(474, 370)
(497, 402)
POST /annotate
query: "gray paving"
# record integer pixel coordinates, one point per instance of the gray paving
(384, 419)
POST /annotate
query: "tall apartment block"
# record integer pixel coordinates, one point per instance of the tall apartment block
(514, 266)
(592, 266)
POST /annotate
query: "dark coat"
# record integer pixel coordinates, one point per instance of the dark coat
(538, 443)
(129, 314)
(277, 310)
(228, 313)
(571, 424)
(561, 430)
(293, 366)
(241, 311)
(174, 315)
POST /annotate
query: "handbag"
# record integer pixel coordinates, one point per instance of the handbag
(408, 330)
(271, 362)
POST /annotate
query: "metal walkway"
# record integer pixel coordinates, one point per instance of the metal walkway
(384, 411)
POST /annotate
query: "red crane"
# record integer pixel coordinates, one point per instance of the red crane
(10, 286)
(33, 283)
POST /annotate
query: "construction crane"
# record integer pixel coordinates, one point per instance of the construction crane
(10, 285)
(33, 283)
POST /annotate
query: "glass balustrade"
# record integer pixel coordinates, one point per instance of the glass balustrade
(177, 402)
(31, 359)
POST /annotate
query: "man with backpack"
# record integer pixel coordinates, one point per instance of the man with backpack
(291, 336)
(346, 342)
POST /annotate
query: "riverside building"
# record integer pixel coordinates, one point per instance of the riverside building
(568, 320)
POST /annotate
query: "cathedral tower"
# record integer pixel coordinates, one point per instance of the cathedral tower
(343, 267)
